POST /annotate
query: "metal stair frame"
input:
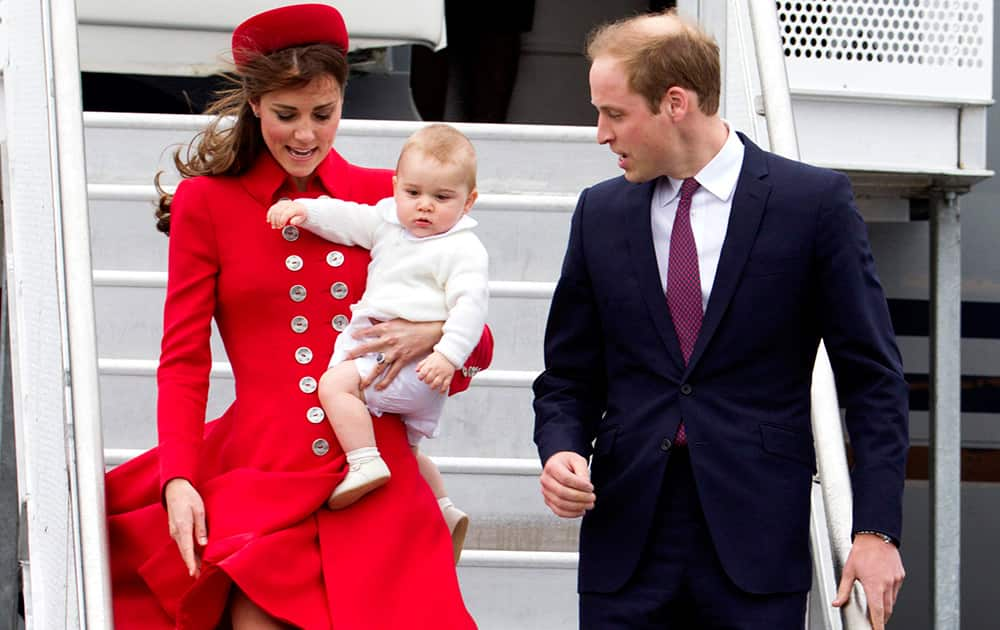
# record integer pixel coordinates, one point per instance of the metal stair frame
(53, 336)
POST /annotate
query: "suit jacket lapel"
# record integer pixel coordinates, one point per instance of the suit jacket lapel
(643, 256)
(749, 202)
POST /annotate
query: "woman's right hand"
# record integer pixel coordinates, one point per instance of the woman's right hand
(399, 342)
(186, 516)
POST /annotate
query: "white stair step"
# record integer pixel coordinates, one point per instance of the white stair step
(129, 325)
(485, 421)
(131, 148)
(520, 598)
(516, 532)
(525, 235)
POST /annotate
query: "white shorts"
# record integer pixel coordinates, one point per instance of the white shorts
(417, 404)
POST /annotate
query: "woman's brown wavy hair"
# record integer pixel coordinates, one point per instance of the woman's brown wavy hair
(231, 149)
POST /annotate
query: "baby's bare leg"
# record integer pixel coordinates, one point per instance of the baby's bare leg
(456, 519)
(343, 402)
(430, 473)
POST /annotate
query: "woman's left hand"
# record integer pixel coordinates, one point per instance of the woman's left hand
(400, 342)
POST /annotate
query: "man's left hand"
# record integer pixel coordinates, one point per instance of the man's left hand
(879, 568)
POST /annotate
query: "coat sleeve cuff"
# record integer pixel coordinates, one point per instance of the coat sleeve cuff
(177, 460)
(885, 537)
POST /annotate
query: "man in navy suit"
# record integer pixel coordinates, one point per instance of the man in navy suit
(679, 352)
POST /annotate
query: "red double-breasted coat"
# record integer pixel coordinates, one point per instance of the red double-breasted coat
(267, 466)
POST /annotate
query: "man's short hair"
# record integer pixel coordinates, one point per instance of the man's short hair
(661, 51)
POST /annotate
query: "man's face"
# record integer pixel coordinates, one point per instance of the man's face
(624, 122)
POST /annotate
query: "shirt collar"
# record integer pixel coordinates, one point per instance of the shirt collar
(718, 177)
(266, 181)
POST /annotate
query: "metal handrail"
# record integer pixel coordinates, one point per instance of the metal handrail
(502, 559)
(356, 127)
(158, 280)
(828, 433)
(502, 466)
(222, 369)
(521, 202)
(84, 412)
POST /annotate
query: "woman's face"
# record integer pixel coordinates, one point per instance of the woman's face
(299, 125)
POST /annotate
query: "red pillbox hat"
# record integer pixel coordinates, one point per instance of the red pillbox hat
(295, 25)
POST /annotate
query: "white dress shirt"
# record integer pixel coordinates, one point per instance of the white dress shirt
(711, 205)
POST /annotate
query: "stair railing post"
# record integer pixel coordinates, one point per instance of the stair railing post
(10, 577)
(945, 409)
(828, 433)
(84, 431)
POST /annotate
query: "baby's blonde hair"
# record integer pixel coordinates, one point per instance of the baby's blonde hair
(446, 145)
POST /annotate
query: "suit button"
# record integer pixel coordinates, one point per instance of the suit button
(686, 389)
(297, 293)
(666, 444)
(320, 447)
(315, 415)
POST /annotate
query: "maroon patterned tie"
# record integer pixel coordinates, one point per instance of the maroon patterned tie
(684, 281)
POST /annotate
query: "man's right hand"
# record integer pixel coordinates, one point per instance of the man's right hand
(566, 485)
(186, 516)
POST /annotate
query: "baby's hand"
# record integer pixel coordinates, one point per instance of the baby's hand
(286, 212)
(436, 371)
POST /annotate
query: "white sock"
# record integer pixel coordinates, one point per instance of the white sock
(444, 503)
(362, 455)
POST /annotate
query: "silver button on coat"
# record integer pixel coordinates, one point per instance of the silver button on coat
(297, 293)
(300, 324)
(293, 263)
(340, 322)
(315, 415)
(338, 290)
(320, 447)
(303, 355)
(307, 384)
(290, 233)
(335, 259)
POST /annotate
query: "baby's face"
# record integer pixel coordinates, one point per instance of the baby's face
(430, 196)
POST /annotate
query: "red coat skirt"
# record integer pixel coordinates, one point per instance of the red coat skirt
(267, 466)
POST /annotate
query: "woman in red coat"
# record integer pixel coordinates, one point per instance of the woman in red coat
(245, 539)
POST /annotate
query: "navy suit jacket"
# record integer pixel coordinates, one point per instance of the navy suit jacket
(795, 267)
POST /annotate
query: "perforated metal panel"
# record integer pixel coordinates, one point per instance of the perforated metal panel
(939, 49)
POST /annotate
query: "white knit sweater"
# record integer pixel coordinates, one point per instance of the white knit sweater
(434, 278)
